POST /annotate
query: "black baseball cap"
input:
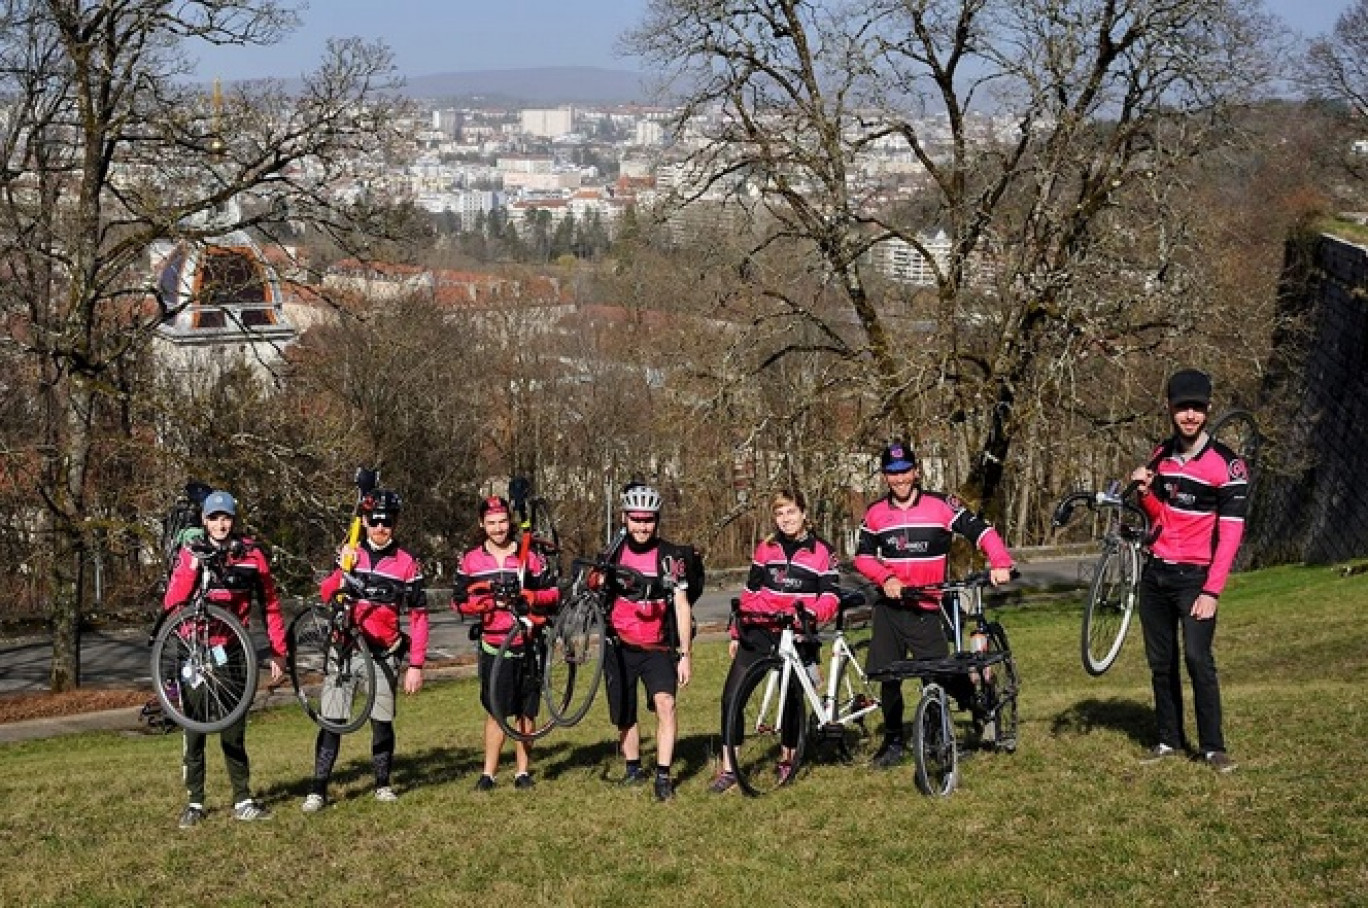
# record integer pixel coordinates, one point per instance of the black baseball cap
(1189, 387)
(897, 458)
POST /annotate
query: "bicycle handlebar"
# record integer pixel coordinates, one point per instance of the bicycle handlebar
(972, 581)
(1123, 500)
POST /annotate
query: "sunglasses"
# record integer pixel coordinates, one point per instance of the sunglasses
(379, 520)
(642, 518)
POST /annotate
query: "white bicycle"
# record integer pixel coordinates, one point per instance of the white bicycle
(781, 705)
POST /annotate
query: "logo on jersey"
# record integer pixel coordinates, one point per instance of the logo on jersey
(1238, 471)
(903, 544)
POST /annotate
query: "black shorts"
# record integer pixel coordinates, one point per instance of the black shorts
(899, 631)
(519, 688)
(624, 667)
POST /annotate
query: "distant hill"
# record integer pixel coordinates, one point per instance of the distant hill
(546, 85)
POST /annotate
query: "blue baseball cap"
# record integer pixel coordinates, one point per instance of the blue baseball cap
(897, 458)
(219, 503)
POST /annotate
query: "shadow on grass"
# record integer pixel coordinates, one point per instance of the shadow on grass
(1131, 717)
(412, 769)
(694, 754)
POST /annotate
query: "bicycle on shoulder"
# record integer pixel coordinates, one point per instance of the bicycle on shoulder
(330, 663)
(204, 663)
(783, 705)
(578, 639)
(1115, 586)
(979, 677)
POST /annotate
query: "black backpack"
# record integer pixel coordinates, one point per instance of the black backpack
(184, 515)
(695, 578)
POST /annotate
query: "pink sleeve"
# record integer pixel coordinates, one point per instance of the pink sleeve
(418, 637)
(1231, 532)
(873, 569)
(275, 623)
(992, 546)
(330, 585)
(182, 582)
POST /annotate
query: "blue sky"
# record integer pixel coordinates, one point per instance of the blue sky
(433, 36)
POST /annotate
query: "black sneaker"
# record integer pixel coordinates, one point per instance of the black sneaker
(484, 783)
(523, 781)
(191, 816)
(634, 776)
(1218, 760)
(664, 788)
(889, 755)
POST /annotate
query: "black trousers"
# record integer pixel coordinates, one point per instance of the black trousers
(1167, 592)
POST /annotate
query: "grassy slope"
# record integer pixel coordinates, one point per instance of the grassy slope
(1070, 818)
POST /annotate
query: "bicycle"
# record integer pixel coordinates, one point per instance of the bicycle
(526, 640)
(1115, 586)
(1126, 536)
(330, 663)
(578, 639)
(770, 722)
(204, 664)
(992, 689)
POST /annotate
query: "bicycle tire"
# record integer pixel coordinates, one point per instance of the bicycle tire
(1001, 685)
(530, 651)
(1238, 430)
(755, 748)
(855, 695)
(574, 660)
(1110, 607)
(203, 685)
(933, 744)
(332, 671)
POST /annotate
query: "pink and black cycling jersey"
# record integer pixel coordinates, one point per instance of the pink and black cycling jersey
(391, 581)
(912, 543)
(786, 573)
(638, 615)
(1198, 502)
(245, 572)
(480, 567)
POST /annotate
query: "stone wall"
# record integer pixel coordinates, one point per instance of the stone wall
(1311, 496)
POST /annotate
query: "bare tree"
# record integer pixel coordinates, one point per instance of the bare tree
(1019, 126)
(1337, 64)
(106, 149)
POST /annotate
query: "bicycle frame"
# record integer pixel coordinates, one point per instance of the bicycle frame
(824, 704)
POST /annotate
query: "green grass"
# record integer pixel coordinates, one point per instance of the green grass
(1071, 818)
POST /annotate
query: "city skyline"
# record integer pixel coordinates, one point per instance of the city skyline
(436, 36)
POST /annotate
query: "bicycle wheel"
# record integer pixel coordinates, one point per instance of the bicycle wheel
(516, 682)
(767, 728)
(1000, 685)
(933, 744)
(1238, 430)
(204, 667)
(574, 660)
(332, 671)
(857, 703)
(1111, 603)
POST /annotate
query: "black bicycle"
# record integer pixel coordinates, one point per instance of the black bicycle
(204, 664)
(980, 676)
(330, 662)
(578, 639)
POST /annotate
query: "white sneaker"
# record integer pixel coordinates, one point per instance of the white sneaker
(386, 794)
(250, 811)
(314, 803)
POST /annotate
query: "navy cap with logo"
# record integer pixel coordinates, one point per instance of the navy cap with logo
(1189, 386)
(897, 458)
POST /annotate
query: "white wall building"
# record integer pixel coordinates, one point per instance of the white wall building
(548, 123)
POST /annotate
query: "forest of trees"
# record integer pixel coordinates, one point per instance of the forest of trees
(1132, 220)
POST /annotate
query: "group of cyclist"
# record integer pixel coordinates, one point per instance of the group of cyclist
(1193, 489)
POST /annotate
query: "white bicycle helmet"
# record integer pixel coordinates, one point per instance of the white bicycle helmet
(641, 497)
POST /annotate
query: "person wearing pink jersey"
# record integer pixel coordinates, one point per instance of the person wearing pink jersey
(650, 636)
(1195, 491)
(391, 584)
(905, 543)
